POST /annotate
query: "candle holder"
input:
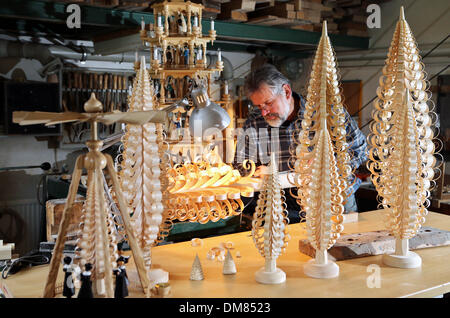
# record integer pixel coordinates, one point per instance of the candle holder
(196, 30)
(177, 43)
(219, 66)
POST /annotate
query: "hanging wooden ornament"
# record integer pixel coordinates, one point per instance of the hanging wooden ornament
(322, 160)
(269, 226)
(401, 155)
(140, 172)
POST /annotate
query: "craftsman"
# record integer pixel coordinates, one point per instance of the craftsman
(276, 111)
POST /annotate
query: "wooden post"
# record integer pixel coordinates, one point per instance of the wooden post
(321, 257)
(132, 241)
(401, 246)
(166, 20)
(189, 25)
(270, 265)
(49, 290)
(191, 54)
(107, 256)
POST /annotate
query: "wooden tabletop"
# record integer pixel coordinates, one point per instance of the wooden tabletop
(432, 279)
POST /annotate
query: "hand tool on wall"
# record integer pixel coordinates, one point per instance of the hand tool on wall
(65, 92)
(101, 89)
(86, 87)
(96, 87)
(107, 92)
(78, 101)
(85, 93)
(114, 100)
(124, 93)
(77, 91)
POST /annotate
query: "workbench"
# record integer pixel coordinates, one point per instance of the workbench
(431, 280)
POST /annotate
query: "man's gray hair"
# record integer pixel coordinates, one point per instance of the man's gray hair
(267, 74)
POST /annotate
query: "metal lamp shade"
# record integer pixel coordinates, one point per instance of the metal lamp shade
(211, 116)
(206, 114)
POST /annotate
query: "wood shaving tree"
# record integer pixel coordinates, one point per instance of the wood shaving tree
(140, 168)
(93, 244)
(322, 156)
(401, 157)
(270, 220)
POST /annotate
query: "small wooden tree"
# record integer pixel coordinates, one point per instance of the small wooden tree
(196, 270)
(401, 157)
(229, 267)
(269, 226)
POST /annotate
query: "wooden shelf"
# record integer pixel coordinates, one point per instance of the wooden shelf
(106, 22)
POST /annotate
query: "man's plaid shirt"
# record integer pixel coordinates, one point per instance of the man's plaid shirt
(255, 142)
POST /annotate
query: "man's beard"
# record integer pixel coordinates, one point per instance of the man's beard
(276, 122)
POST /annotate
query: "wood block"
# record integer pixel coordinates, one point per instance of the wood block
(339, 11)
(351, 217)
(54, 210)
(356, 33)
(260, 5)
(329, 3)
(355, 11)
(241, 5)
(349, 3)
(6, 250)
(297, 4)
(284, 6)
(132, 5)
(311, 5)
(271, 20)
(350, 25)
(309, 15)
(212, 4)
(375, 243)
(279, 11)
(104, 3)
(226, 14)
(210, 13)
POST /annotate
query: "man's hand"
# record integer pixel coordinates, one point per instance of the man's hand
(261, 171)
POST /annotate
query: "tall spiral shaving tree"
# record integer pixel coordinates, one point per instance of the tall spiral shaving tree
(402, 152)
(140, 173)
(322, 168)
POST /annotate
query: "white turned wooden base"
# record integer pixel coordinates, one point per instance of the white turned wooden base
(315, 270)
(402, 257)
(275, 277)
(158, 276)
(410, 260)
